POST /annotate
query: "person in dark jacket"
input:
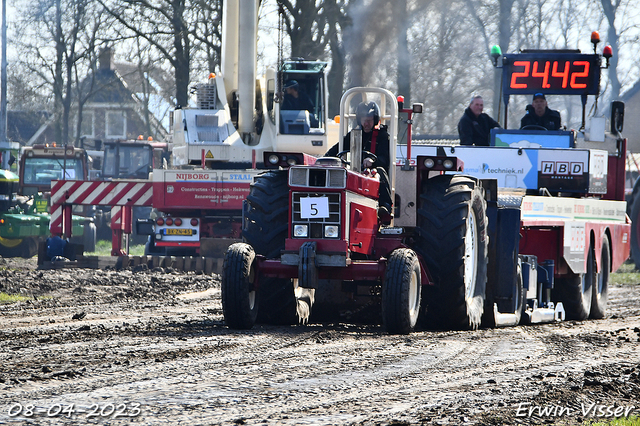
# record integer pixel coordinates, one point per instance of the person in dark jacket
(375, 139)
(475, 126)
(539, 114)
(295, 98)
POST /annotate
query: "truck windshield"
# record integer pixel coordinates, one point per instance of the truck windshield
(133, 161)
(41, 171)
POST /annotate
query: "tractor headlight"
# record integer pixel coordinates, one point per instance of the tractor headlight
(331, 231)
(300, 231)
(448, 164)
(274, 159)
(429, 163)
(291, 161)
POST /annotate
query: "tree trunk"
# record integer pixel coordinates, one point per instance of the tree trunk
(612, 38)
(181, 61)
(404, 59)
(504, 38)
(58, 72)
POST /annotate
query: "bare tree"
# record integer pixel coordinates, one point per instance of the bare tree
(622, 17)
(370, 30)
(493, 14)
(62, 24)
(404, 58)
(162, 24)
(315, 30)
(447, 64)
(207, 33)
(306, 22)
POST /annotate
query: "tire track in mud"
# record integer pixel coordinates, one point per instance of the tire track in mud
(331, 385)
(176, 359)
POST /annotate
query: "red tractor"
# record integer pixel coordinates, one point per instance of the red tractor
(513, 239)
(313, 232)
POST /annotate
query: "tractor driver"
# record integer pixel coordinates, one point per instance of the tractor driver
(375, 139)
(539, 114)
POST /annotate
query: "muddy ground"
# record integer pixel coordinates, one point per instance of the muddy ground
(150, 347)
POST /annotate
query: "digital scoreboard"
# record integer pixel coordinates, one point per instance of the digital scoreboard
(551, 73)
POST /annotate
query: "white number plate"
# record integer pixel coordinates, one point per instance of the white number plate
(314, 207)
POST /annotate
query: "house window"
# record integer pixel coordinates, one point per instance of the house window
(116, 125)
(88, 124)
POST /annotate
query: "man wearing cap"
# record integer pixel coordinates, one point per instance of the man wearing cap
(475, 126)
(539, 114)
(295, 98)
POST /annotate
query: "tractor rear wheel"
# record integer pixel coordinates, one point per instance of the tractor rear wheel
(401, 292)
(265, 228)
(239, 302)
(600, 292)
(575, 291)
(266, 212)
(452, 239)
(23, 247)
(89, 237)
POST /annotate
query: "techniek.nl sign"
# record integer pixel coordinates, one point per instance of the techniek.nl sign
(519, 168)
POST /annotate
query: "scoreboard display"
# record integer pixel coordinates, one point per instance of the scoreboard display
(551, 73)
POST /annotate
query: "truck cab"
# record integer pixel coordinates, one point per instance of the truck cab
(134, 159)
(42, 163)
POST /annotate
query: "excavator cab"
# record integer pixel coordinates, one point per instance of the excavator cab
(303, 98)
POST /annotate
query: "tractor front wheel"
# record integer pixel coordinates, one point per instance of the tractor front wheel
(401, 292)
(239, 302)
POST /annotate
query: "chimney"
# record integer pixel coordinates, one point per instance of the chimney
(105, 58)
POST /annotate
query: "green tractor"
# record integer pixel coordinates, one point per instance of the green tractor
(23, 224)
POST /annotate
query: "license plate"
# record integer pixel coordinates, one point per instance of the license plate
(178, 231)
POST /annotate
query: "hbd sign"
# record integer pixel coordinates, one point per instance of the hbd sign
(562, 168)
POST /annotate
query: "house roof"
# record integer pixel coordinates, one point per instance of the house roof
(156, 79)
(108, 87)
(23, 125)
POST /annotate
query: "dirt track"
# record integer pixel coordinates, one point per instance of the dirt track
(150, 347)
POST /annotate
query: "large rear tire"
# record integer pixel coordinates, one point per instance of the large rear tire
(452, 239)
(575, 291)
(266, 212)
(401, 292)
(89, 237)
(24, 247)
(600, 292)
(239, 302)
(265, 228)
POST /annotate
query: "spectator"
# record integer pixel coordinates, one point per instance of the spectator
(475, 126)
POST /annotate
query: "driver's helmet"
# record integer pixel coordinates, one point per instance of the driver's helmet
(368, 109)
